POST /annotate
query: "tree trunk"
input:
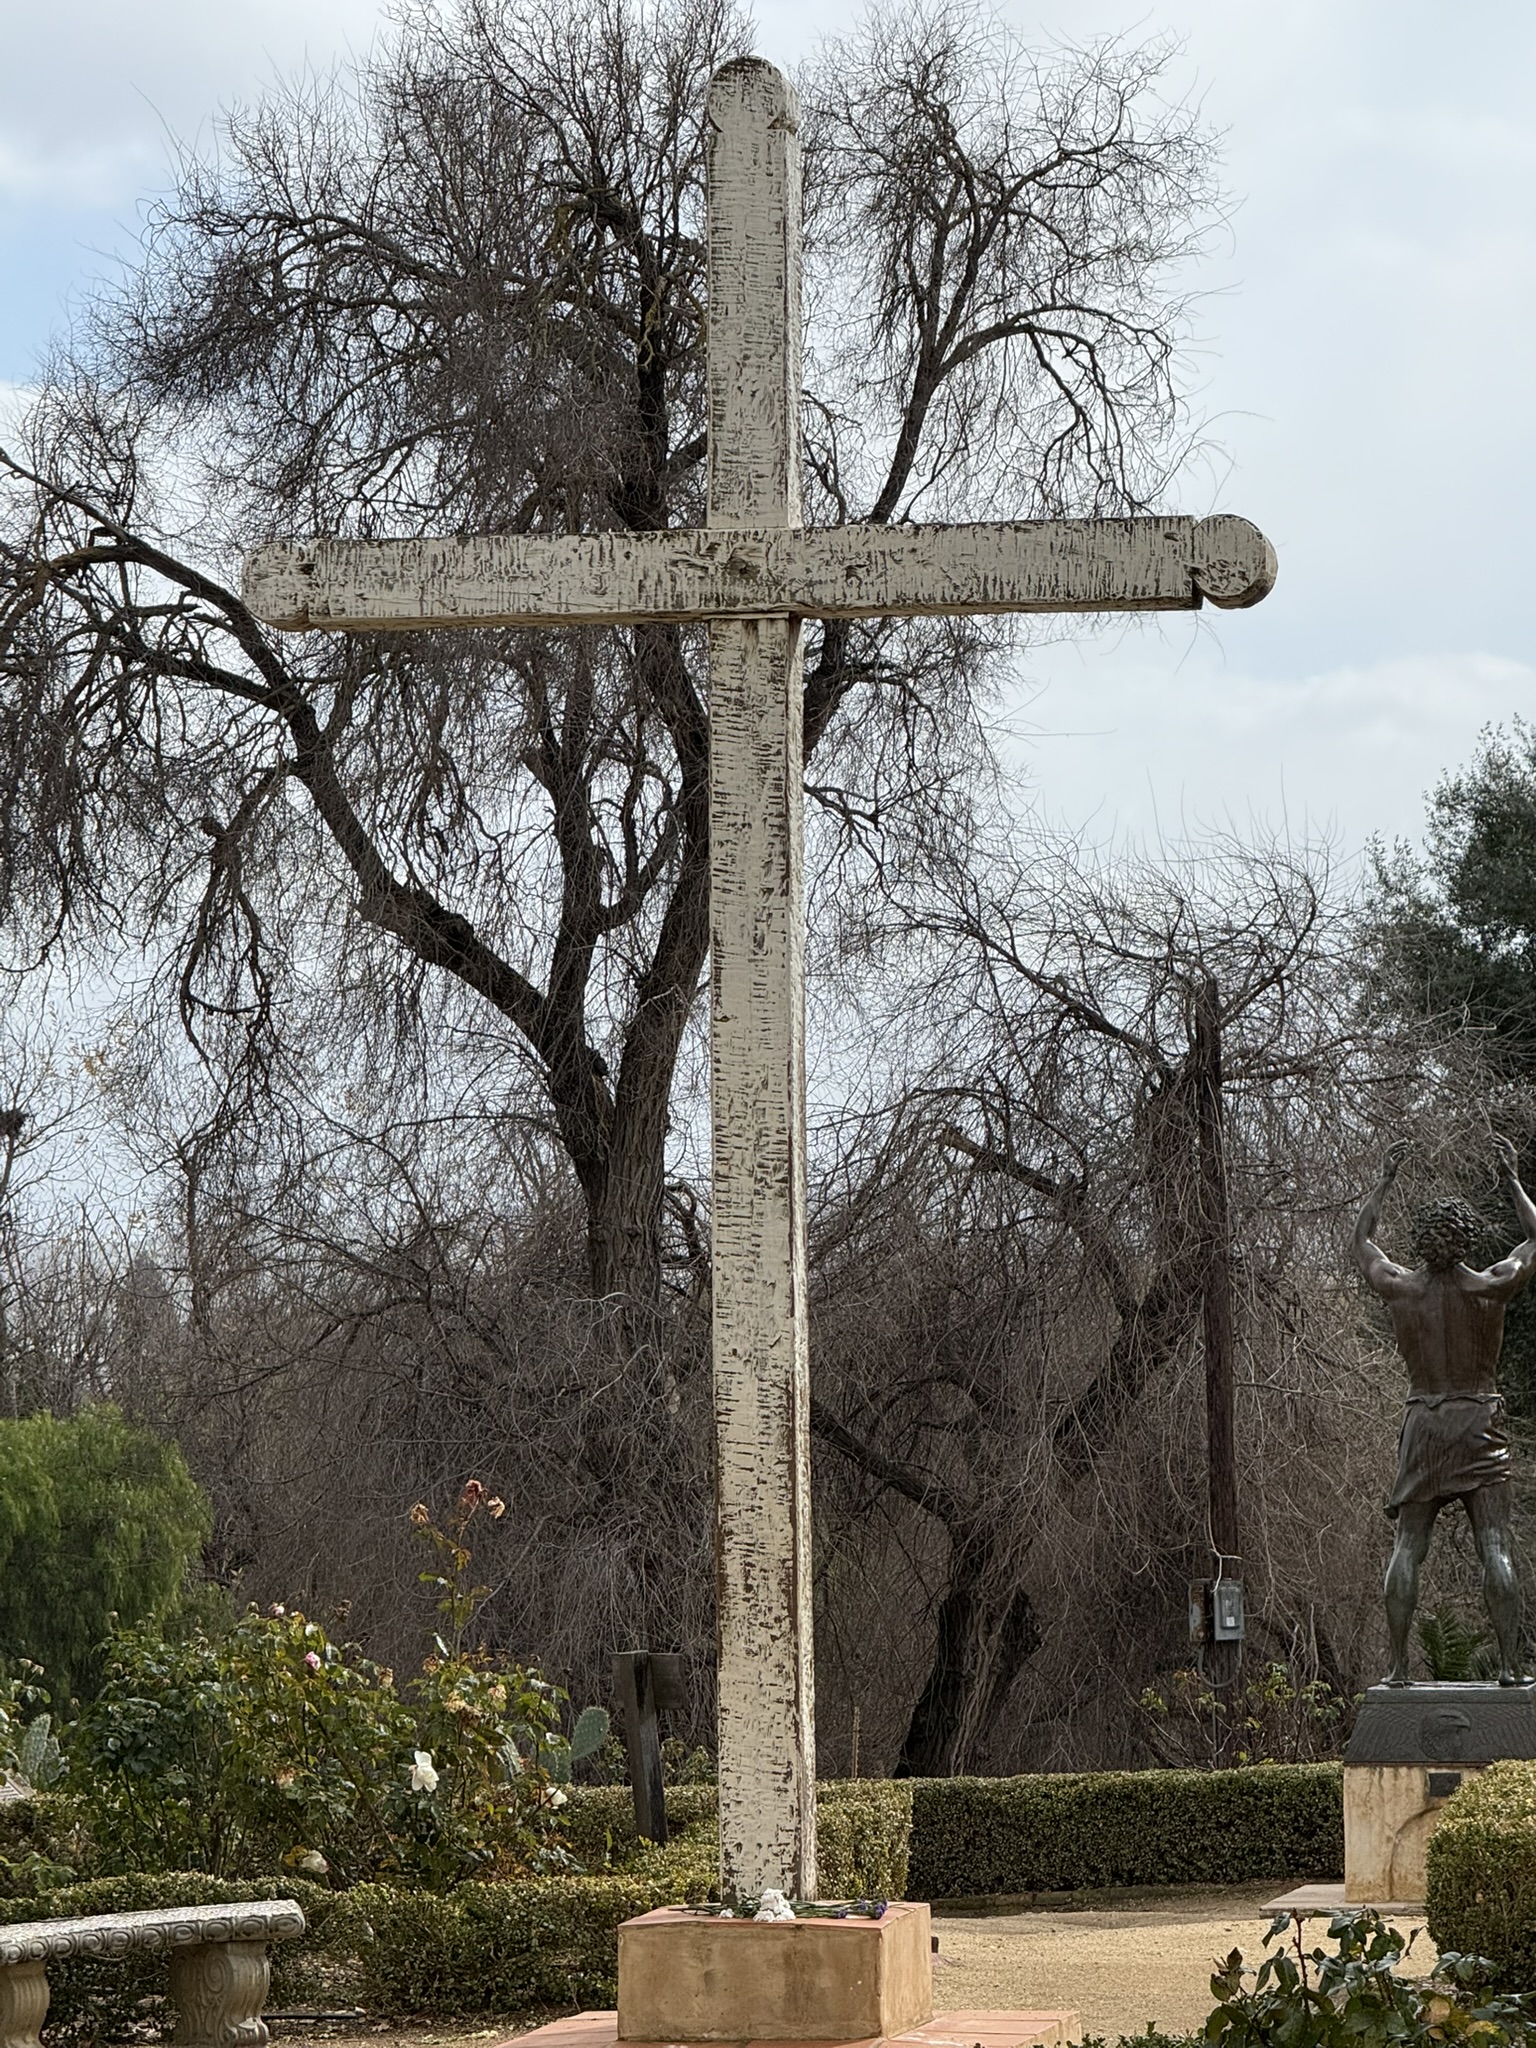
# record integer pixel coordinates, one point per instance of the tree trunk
(624, 1230)
(986, 1631)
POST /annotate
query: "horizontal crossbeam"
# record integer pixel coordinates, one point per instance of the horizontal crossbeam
(692, 573)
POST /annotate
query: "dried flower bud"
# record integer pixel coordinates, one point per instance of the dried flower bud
(496, 1507)
(420, 1515)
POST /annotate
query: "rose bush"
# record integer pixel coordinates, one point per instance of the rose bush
(270, 1747)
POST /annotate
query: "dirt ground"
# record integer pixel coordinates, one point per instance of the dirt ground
(1146, 1958)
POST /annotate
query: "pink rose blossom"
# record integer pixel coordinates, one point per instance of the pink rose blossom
(312, 1660)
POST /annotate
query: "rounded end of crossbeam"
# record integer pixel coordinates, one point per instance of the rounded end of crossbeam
(750, 88)
(1234, 564)
(276, 584)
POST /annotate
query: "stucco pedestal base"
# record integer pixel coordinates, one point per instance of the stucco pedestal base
(693, 1977)
(1389, 1813)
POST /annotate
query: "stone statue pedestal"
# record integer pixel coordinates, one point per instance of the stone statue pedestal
(691, 1978)
(1412, 1747)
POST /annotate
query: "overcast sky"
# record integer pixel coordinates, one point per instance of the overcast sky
(1366, 365)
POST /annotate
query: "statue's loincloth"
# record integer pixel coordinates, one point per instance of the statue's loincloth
(1451, 1444)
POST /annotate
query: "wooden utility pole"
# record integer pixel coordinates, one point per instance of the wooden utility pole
(1224, 1658)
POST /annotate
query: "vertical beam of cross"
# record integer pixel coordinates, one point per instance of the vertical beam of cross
(757, 925)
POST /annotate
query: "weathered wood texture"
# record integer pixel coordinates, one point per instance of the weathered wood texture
(753, 573)
(767, 1742)
(635, 1698)
(848, 572)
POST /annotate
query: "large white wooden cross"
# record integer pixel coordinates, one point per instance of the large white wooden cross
(754, 573)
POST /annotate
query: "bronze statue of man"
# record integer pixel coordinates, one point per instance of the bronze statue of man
(1449, 1323)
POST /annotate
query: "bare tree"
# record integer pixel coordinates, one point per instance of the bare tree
(1055, 1159)
(363, 1301)
(460, 289)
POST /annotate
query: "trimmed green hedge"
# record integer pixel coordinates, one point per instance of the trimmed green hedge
(600, 1821)
(863, 1838)
(862, 1828)
(512, 1946)
(508, 1947)
(990, 1837)
(92, 2000)
(1482, 1872)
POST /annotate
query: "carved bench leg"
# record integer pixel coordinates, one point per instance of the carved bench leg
(23, 2004)
(219, 1990)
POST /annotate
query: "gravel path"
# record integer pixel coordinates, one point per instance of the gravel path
(1148, 1959)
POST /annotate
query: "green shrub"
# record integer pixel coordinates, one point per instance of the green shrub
(862, 1829)
(1482, 1872)
(43, 1844)
(99, 1522)
(600, 1821)
(1302, 1997)
(863, 1837)
(512, 1946)
(94, 2000)
(269, 1746)
(979, 1837)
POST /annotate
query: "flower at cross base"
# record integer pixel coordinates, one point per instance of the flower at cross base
(313, 1862)
(423, 1776)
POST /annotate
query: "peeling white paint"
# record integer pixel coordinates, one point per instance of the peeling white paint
(767, 1735)
(692, 573)
(753, 573)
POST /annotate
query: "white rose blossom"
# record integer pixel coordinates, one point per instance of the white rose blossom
(423, 1777)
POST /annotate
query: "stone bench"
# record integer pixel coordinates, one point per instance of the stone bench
(219, 1969)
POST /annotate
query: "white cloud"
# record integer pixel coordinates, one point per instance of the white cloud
(14, 400)
(1151, 735)
(93, 91)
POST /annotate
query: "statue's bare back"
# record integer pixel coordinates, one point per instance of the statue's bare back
(1448, 1326)
(1448, 1319)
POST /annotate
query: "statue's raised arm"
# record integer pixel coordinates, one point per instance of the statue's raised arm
(1501, 1282)
(1380, 1272)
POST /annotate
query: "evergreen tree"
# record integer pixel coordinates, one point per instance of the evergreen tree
(1454, 926)
(1452, 936)
(99, 1522)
